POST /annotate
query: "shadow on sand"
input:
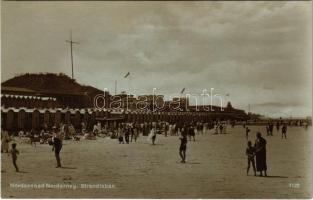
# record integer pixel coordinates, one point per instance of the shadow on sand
(275, 176)
(68, 167)
(192, 163)
(22, 172)
(157, 144)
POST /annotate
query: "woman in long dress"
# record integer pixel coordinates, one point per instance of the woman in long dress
(260, 154)
(152, 135)
(191, 133)
(5, 139)
(120, 134)
(216, 129)
(205, 128)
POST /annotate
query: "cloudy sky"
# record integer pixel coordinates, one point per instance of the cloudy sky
(259, 53)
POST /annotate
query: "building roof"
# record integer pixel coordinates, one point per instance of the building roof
(16, 89)
(20, 90)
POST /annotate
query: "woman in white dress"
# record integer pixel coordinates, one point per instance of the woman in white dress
(5, 139)
(205, 128)
(152, 135)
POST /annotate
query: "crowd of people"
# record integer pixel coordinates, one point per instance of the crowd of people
(282, 125)
(127, 133)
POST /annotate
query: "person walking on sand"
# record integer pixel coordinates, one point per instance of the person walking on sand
(284, 131)
(216, 129)
(205, 128)
(250, 152)
(120, 134)
(32, 138)
(224, 128)
(198, 128)
(153, 135)
(166, 129)
(57, 145)
(5, 139)
(277, 126)
(14, 152)
(191, 132)
(221, 128)
(136, 128)
(127, 133)
(306, 124)
(267, 129)
(132, 132)
(260, 154)
(183, 148)
(247, 132)
(271, 127)
(170, 129)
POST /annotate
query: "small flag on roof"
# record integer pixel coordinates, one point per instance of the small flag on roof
(127, 75)
(182, 91)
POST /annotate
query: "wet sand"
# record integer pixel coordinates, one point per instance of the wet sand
(215, 168)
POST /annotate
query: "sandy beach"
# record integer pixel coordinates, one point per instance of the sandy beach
(215, 168)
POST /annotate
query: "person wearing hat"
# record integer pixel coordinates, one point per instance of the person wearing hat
(57, 145)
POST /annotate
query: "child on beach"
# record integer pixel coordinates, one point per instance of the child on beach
(216, 129)
(250, 152)
(14, 153)
(247, 132)
(284, 131)
(153, 135)
(183, 147)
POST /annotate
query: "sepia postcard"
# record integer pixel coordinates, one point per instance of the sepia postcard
(156, 99)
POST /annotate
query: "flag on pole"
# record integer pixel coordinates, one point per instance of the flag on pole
(127, 75)
(182, 91)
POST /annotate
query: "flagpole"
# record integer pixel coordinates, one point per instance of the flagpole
(129, 85)
(115, 87)
(71, 42)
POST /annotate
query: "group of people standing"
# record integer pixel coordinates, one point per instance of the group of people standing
(258, 151)
(127, 132)
(270, 127)
(221, 128)
(56, 141)
(256, 155)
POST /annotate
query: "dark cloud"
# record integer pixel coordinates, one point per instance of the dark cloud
(277, 104)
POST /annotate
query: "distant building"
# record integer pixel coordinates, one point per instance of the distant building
(22, 97)
(32, 100)
(47, 91)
